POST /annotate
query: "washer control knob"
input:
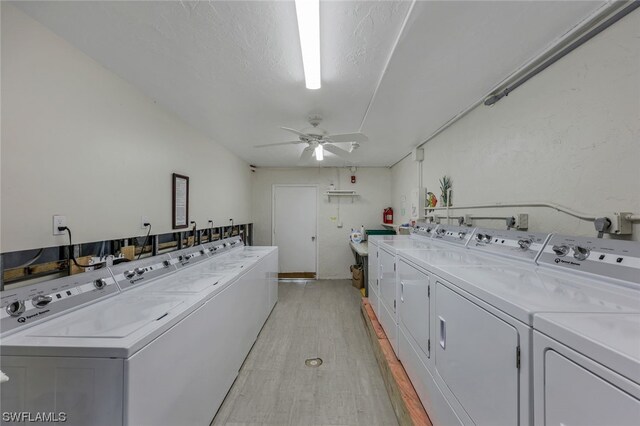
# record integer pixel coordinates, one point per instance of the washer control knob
(525, 244)
(15, 308)
(461, 235)
(180, 258)
(139, 271)
(202, 252)
(41, 301)
(487, 238)
(166, 263)
(560, 250)
(581, 253)
(100, 283)
(480, 237)
(129, 274)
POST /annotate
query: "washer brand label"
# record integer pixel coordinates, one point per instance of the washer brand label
(568, 262)
(135, 280)
(26, 317)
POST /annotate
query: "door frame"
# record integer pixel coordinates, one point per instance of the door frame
(273, 214)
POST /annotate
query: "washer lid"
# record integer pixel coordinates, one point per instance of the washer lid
(115, 318)
(191, 282)
(219, 265)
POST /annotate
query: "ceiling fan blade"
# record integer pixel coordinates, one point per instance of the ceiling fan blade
(337, 151)
(306, 154)
(295, 132)
(348, 137)
(276, 144)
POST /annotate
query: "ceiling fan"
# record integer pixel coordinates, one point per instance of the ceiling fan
(318, 140)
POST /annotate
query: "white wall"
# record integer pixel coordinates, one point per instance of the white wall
(77, 140)
(334, 254)
(571, 135)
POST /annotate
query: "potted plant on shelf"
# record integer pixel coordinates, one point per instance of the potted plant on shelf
(445, 187)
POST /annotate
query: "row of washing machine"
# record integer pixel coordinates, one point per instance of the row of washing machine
(157, 341)
(510, 327)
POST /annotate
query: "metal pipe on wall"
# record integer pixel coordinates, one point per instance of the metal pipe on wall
(609, 14)
(558, 207)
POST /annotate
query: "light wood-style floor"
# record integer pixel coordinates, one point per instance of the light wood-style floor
(313, 319)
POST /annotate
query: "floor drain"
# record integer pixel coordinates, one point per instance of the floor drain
(313, 362)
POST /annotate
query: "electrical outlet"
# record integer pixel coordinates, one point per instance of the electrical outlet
(522, 221)
(621, 225)
(143, 220)
(59, 221)
(468, 220)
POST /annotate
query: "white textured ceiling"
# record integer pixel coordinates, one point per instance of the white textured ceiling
(234, 69)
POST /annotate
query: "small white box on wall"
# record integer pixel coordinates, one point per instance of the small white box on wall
(417, 154)
(418, 203)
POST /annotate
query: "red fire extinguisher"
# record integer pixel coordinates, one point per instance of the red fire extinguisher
(387, 215)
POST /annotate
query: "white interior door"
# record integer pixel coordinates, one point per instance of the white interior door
(294, 227)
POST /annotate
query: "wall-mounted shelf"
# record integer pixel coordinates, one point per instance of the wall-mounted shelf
(341, 193)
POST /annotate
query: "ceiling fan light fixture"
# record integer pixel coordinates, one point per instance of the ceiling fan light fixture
(319, 153)
(308, 14)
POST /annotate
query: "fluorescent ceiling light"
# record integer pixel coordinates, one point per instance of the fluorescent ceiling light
(308, 12)
(319, 153)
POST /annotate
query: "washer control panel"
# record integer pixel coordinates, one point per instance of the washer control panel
(424, 229)
(28, 305)
(454, 234)
(221, 246)
(513, 244)
(189, 256)
(139, 272)
(610, 258)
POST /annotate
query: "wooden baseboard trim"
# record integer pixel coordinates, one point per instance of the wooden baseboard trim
(404, 399)
(294, 275)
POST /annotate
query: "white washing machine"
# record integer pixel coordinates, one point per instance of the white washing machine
(373, 272)
(74, 362)
(146, 355)
(587, 369)
(441, 239)
(423, 325)
(483, 320)
(249, 255)
(587, 364)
